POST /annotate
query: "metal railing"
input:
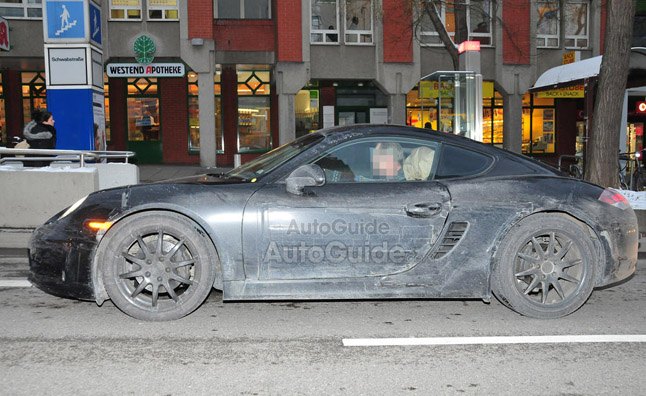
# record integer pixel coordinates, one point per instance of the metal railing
(80, 156)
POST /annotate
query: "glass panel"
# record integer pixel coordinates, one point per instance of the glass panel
(358, 15)
(134, 14)
(449, 17)
(548, 18)
(228, 9)
(193, 123)
(576, 19)
(479, 16)
(324, 18)
(117, 14)
(306, 107)
(254, 132)
(171, 14)
(543, 128)
(256, 9)
(3, 124)
(143, 119)
(34, 12)
(458, 162)
(527, 134)
(498, 124)
(487, 125)
(12, 12)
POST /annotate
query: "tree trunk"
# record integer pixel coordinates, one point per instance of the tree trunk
(430, 9)
(601, 159)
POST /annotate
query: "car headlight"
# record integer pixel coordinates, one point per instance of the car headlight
(73, 207)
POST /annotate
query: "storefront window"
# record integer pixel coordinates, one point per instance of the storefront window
(125, 10)
(539, 126)
(254, 104)
(492, 119)
(3, 116)
(165, 10)
(194, 113)
(358, 21)
(34, 93)
(106, 103)
(576, 15)
(143, 109)
(242, 9)
(547, 25)
(306, 106)
(325, 22)
(478, 17)
(21, 9)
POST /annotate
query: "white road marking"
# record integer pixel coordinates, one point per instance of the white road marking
(554, 339)
(14, 283)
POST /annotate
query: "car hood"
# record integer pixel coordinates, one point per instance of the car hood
(206, 178)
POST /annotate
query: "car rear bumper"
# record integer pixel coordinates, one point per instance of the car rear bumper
(622, 240)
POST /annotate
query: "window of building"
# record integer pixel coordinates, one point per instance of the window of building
(254, 105)
(34, 93)
(325, 22)
(478, 18)
(194, 113)
(306, 106)
(576, 17)
(106, 104)
(492, 117)
(3, 117)
(358, 21)
(143, 109)
(539, 125)
(242, 9)
(21, 8)
(125, 10)
(164, 10)
(547, 24)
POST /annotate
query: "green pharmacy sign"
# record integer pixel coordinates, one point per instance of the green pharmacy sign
(144, 49)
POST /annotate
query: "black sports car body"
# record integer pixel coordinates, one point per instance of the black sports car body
(356, 212)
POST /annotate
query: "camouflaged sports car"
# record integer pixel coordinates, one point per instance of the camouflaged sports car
(357, 212)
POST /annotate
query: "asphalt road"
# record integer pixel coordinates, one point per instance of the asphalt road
(56, 346)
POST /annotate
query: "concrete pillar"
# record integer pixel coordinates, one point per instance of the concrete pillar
(286, 118)
(206, 100)
(513, 115)
(397, 109)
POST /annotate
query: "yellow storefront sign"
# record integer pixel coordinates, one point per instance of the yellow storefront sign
(433, 89)
(162, 3)
(576, 91)
(126, 3)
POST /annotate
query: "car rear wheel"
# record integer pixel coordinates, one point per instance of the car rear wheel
(545, 266)
(158, 265)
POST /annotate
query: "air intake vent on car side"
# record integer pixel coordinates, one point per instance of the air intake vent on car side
(451, 238)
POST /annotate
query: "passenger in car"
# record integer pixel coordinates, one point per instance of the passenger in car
(418, 165)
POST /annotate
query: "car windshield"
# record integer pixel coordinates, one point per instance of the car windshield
(271, 160)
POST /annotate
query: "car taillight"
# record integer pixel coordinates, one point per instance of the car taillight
(614, 198)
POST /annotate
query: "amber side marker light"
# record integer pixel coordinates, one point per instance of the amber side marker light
(98, 225)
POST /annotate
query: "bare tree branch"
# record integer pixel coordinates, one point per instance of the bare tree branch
(431, 10)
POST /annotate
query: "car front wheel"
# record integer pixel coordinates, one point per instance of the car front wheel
(158, 265)
(545, 266)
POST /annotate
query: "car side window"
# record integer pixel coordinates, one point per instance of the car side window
(459, 162)
(381, 160)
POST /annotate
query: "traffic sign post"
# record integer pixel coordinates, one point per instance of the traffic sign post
(74, 70)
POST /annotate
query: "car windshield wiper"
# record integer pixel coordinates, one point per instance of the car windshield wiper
(227, 176)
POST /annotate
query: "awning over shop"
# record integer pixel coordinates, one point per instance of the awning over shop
(576, 72)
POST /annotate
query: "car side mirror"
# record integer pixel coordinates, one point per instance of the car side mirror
(310, 175)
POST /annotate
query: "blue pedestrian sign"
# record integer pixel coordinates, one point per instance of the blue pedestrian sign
(65, 21)
(95, 23)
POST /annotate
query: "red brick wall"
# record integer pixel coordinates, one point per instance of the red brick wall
(200, 18)
(288, 27)
(229, 115)
(118, 115)
(173, 100)
(12, 103)
(398, 31)
(244, 35)
(516, 39)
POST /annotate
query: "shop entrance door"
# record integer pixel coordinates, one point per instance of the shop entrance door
(144, 133)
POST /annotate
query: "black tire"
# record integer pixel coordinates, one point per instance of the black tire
(545, 266)
(151, 286)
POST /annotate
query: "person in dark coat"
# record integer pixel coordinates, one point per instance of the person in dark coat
(40, 134)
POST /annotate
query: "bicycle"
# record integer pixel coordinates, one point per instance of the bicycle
(632, 175)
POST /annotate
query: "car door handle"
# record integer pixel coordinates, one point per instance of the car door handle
(425, 209)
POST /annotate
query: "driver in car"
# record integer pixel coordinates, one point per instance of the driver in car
(386, 162)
